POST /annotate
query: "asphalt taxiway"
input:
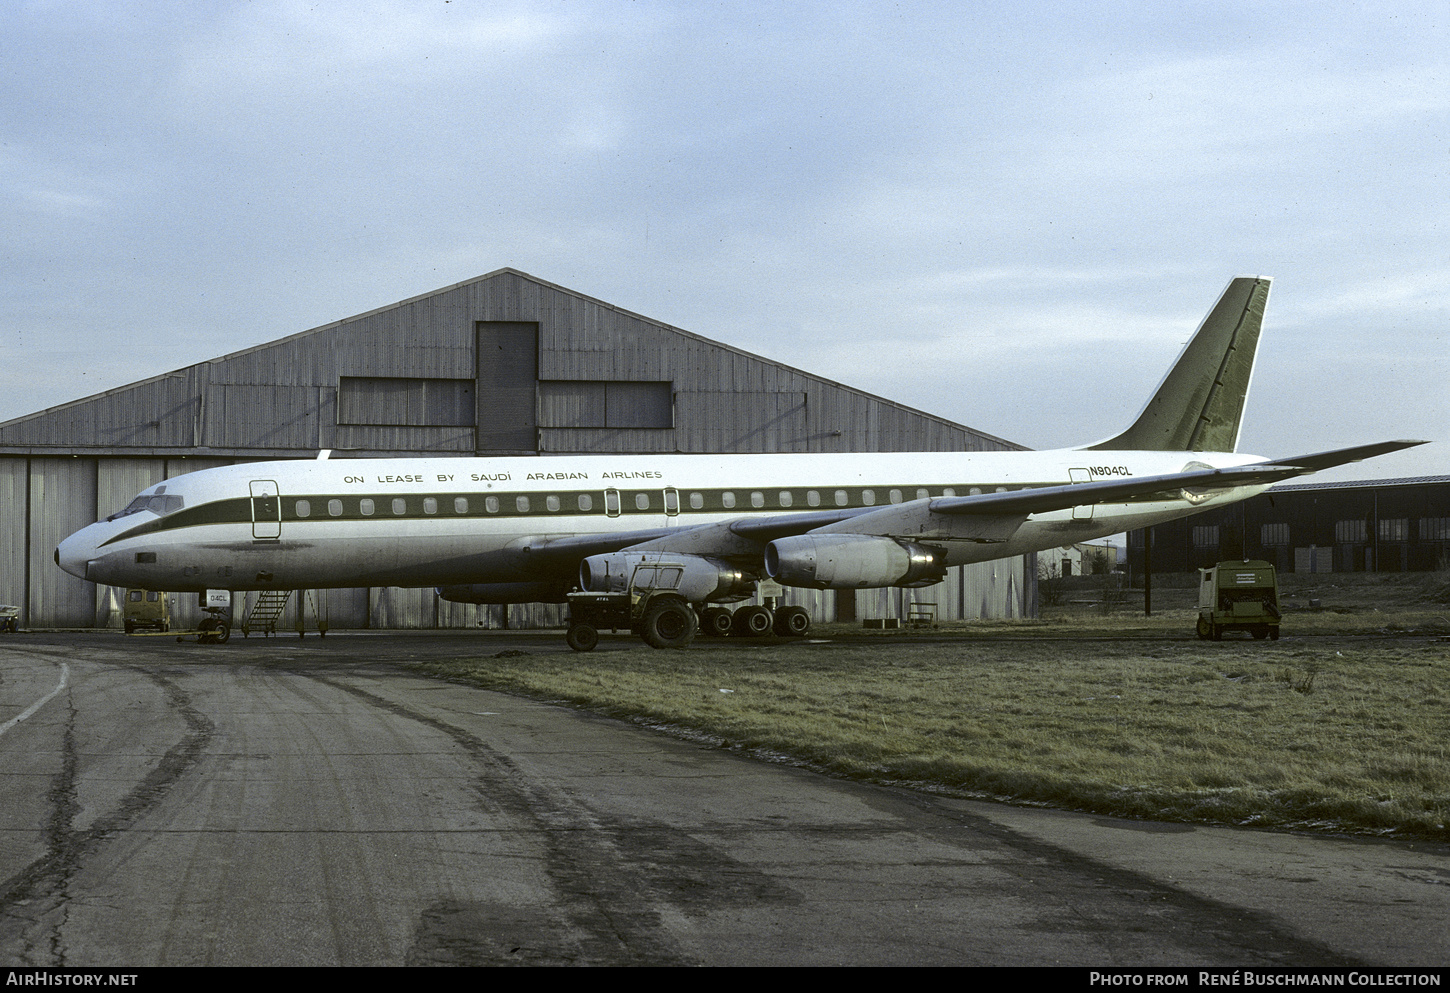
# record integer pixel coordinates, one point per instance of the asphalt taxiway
(315, 801)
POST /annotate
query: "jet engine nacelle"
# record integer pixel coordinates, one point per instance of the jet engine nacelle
(696, 578)
(852, 561)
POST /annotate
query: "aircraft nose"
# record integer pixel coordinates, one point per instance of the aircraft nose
(75, 552)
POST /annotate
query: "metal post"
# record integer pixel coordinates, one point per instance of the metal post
(1147, 572)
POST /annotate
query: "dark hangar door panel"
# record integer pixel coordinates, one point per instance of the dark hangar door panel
(508, 383)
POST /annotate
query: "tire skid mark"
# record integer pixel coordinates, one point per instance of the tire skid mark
(1207, 928)
(609, 908)
(40, 892)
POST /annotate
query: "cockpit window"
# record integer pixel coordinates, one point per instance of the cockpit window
(158, 503)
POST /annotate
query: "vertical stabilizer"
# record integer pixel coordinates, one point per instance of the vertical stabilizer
(1200, 403)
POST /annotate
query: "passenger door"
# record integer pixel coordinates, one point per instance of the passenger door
(266, 510)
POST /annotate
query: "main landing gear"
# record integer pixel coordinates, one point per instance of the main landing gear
(669, 622)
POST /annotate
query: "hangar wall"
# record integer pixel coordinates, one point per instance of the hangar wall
(502, 364)
(1374, 525)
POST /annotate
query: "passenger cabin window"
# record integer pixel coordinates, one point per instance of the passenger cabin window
(400, 506)
(522, 503)
(868, 497)
(786, 499)
(490, 504)
(922, 494)
(895, 496)
(727, 499)
(460, 505)
(697, 501)
(304, 508)
(841, 498)
(365, 506)
(430, 505)
(813, 498)
(641, 501)
(757, 498)
(334, 508)
(552, 503)
(586, 502)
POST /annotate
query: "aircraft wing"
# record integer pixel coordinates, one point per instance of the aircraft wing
(995, 516)
(983, 517)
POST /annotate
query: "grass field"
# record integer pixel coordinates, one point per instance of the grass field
(1341, 725)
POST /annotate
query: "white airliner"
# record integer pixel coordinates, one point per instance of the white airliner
(520, 530)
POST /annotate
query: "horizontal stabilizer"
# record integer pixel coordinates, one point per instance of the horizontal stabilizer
(1344, 456)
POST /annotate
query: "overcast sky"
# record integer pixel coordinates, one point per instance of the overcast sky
(1011, 215)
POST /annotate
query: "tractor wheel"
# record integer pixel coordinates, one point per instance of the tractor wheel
(669, 625)
(582, 637)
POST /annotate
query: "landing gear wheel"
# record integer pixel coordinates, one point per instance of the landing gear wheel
(582, 637)
(715, 622)
(223, 633)
(752, 622)
(669, 625)
(792, 622)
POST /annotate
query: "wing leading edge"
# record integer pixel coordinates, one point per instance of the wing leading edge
(985, 517)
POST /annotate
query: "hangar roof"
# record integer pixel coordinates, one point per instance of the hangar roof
(575, 373)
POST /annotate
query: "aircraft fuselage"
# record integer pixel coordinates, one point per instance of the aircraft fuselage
(442, 521)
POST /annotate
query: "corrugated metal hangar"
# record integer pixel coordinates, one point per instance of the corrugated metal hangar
(502, 364)
(1379, 525)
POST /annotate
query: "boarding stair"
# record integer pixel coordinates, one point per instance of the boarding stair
(265, 612)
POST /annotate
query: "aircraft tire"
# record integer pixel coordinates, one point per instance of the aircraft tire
(715, 622)
(671, 624)
(223, 633)
(752, 622)
(792, 622)
(582, 637)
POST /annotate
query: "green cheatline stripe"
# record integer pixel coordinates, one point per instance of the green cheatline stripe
(506, 505)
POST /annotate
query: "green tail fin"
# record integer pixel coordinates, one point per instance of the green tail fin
(1200, 403)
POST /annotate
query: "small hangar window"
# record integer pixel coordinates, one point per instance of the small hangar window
(400, 402)
(583, 404)
(1394, 529)
(1348, 532)
(1274, 534)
